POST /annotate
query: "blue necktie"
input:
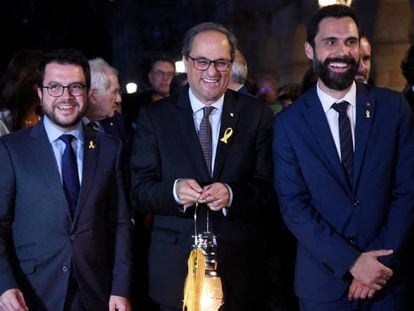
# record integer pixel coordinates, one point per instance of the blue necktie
(205, 137)
(70, 175)
(345, 137)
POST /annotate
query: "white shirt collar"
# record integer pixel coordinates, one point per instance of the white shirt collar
(328, 100)
(197, 105)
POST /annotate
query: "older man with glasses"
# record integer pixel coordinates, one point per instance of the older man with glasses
(210, 147)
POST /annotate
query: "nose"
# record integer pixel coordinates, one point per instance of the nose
(212, 69)
(66, 92)
(118, 98)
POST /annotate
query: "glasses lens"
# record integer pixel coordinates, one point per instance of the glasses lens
(55, 89)
(201, 63)
(222, 65)
(76, 89)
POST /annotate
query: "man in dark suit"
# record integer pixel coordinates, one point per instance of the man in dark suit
(345, 177)
(64, 224)
(231, 181)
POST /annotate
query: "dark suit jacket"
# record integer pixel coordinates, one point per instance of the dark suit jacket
(40, 243)
(115, 126)
(334, 224)
(166, 147)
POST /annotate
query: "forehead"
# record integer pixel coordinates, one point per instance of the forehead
(113, 79)
(64, 72)
(365, 47)
(331, 27)
(211, 44)
(162, 65)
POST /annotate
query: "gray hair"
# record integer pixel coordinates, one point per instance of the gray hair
(203, 27)
(100, 70)
(239, 69)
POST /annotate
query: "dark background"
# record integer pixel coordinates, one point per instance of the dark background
(127, 33)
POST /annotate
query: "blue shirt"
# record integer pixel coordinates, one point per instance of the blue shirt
(53, 133)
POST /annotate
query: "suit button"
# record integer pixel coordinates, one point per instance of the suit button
(72, 237)
(65, 269)
(355, 203)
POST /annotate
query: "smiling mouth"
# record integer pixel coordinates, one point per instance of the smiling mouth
(210, 81)
(339, 66)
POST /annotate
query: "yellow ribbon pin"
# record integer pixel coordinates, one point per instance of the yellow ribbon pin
(227, 134)
(91, 145)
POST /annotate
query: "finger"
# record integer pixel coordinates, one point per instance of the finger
(364, 293)
(358, 291)
(371, 293)
(194, 185)
(382, 252)
(351, 291)
(15, 303)
(22, 302)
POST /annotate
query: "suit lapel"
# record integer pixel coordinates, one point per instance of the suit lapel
(228, 132)
(91, 149)
(315, 117)
(188, 133)
(365, 108)
(46, 161)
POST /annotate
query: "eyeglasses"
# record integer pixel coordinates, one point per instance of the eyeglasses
(201, 63)
(160, 73)
(56, 89)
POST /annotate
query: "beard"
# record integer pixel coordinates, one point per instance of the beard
(52, 112)
(334, 80)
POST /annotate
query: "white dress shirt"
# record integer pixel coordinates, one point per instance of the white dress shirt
(332, 115)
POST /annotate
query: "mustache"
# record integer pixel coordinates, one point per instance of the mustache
(345, 59)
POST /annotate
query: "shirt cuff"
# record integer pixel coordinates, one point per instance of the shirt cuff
(226, 209)
(176, 198)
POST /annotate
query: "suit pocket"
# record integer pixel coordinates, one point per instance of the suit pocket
(28, 266)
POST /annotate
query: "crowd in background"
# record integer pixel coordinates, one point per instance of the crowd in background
(155, 160)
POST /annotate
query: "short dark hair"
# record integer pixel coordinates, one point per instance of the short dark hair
(203, 27)
(407, 65)
(64, 57)
(335, 11)
(161, 58)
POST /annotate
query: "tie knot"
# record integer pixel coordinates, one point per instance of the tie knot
(207, 110)
(341, 107)
(67, 138)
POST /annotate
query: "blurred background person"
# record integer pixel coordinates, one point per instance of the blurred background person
(287, 94)
(19, 103)
(160, 76)
(364, 66)
(160, 73)
(104, 99)
(178, 82)
(239, 74)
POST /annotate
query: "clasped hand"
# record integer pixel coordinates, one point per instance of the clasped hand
(369, 274)
(215, 195)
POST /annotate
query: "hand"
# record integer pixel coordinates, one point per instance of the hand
(216, 196)
(119, 303)
(188, 191)
(12, 300)
(369, 271)
(357, 290)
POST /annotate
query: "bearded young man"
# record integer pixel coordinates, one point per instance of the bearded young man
(344, 158)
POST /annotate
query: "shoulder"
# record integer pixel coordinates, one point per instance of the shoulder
(246, 103)
(381, 94)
